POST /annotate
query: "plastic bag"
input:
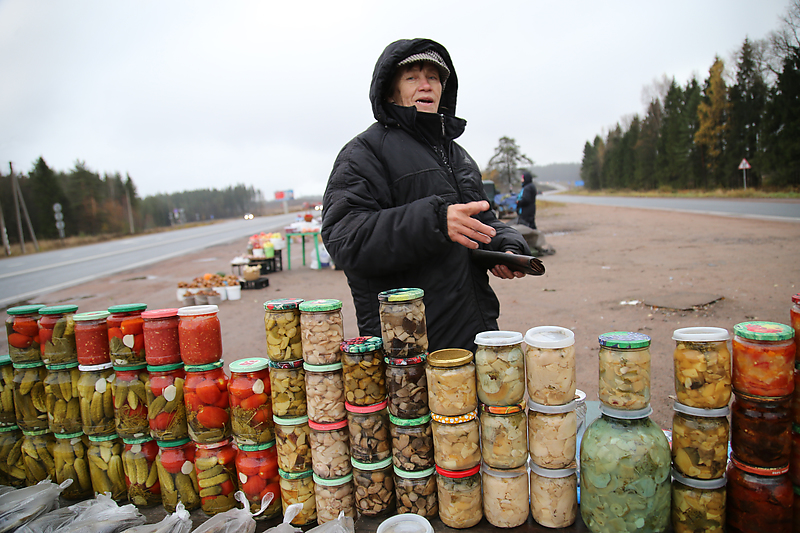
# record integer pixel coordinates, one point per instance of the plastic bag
(286, 527)
(235, 520)
(178, 522)
(52, 521)
(341, 524)
(106, 517)
(20, 506)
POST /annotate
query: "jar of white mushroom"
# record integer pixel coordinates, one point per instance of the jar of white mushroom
(364, 370)
(412, 443)
(456, 441)
(298, 487)
(321, 331)
(452, 390)
(624, 370)
(374, 485)
(334, 496)
(505, 495)
(330, 449)
(500, 367)
(370, 440)
(552, 431)
(407, 386)
(403, 327)
(325, 392)
(550, 364)
(293, 443)
(460, 503)
(416, 491)
(504, 436)
(554, 496)
(700, 441)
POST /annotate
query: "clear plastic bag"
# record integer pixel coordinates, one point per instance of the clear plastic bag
(20, 506)
(341, 524)
(55, 520)
(286, 527)
(235, 520)
(178, 522)
(106, 517)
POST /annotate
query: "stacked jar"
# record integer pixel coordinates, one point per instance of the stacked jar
(759, 489)
(22, 330)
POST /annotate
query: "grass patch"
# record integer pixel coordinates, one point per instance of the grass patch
(666, 192)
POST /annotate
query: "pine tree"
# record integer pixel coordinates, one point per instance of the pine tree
(713, 113)
(507, 160)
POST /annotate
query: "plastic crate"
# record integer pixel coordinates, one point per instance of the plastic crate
(259, 283)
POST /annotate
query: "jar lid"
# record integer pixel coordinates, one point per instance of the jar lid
(552, 409)
(705, 413)
(94, 368)
(624, 339)
(137, 440)
(371, 466)
(313, 306)
(704, 484)
(552, 473)
(256, 447)
(498, 338)
(69, 435)
(5, 359)
(361, 344)
(505, 473)
(405, 361)
(91, 315)
(457, 474)
(171, 443)
(366, 409)
(164, 368)
(282, 304)
(61, 366)
(460, 419)
(12, 427)
(196, 310)
(701, 334)
(549, 337)
(58, 309)
(408, 422)
(502, 409)
(252, 364)
(35, 432)
(205, 367)
(763, 331)
(419, 474)
(214, 445)
(450, 357)
(127, 308)
(633, 414)
(130, 368)
(405, 523)
(289, 365)
(331, 367)
(296, 421)
(737, 395)
(160, 313)
(334, 482)
(405, 294)
(777, 471)
(32, 364)
(103, 438)
(329, 426)
(295, 475)
(25, 309)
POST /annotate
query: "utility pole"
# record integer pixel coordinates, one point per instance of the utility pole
(16, 207)
(6, 245)
(18, 192)
(130, 211)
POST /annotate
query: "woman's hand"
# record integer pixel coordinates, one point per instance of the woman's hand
(464, 229)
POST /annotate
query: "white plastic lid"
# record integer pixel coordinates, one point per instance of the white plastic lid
(696, 411)
(194, 310)
(706, 484)
(405, 523)
(552, 409)
(701, 334)
(496, 472)
(633, 414)
(552, 473)
(549, 337)
(580, 396)
(498, 338)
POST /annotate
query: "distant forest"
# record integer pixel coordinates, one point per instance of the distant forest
(567, 173)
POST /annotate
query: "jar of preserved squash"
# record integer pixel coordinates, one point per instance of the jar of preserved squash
(257, 466)
(161, 343)
(625, 370)
(504, 436)
(251, 408)
(364, 370)
(91, 338)
(177, 474)
(374, 486)
(456, 441)
(200, 335)
(125, 334)
(105, 466)
(698, 504)
(412, 443)
(370, 441)
(321, 331)
(282, 324)
(30, 400)
(334, 496)
(550, 364)
(416, 491)
(505, 495)
(758, 499)
(12, 465)
(288, 384)
(554, 496)
(403, 327)
(330, 449)
(207, 407)
(794, 314)
(460, 502)
(700, 441)
(325, 392)
(37, 454)
(702, 367)
(8, 416)
(167, 411)
(763, 359)
(407, 386)
(500, 367)
(452, 389)
(57, 334)
(97, 400)
(216, 476)
(130, 401)
(70, 459)
(761, 430)
(293, 438)
(141, 472)
(64, 404)
(22, 329)
(298, 487)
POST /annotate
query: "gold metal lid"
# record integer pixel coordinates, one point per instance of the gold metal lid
(450, 357)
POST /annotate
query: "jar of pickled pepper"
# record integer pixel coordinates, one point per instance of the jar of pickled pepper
(407, 386)
(282, 325)
(97, 400)
(761, 430)
(130, 401)
(504, 436)
(57, 334)
(452, 388)
(698, 504)
(216, 476)
(30, 400)
(550, 364)
(141, 472)
(8, 417)
(758, 499)
(763, 359)
(321, 331)
(251, 408)
(177, 474)
(37, 454)
(200, 334)
(207, 404)
(161, 343)
(257, 466)
(166, 407)
(403, 327)
(22, 329)
(288, 384)
(702, 367)
(460, 501)
(700, 441)
(794, 314)
(91, 338)
(625, 370)
(63, 401)
(364, 370)
(500, 367)
(125, 334)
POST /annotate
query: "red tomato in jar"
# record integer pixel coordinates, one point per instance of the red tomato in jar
(162, 421)
(269, 469)
(272, 488)
(159, 383)
(227, 487)
(240, 388)
(114, 332)
(208, 392)
(138, 343)
(254, 485)
(172, 460)
(192, 402)
(226, 455)
(223, 402)
(247, 466)
(212, 417)
(26, 326)
(254, 401)
(234, 401)
(18, 340)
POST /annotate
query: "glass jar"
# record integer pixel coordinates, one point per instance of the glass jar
(22, 330)
(97, 400)
(758, 499)
(216, 476)
(416, 491)
(700, 441)
(12, 465)
(200, 334)
(505, 496)
(105, 466)
(130, 401)
(625, 370)
(552, 434)
(161, 343)
(459, 492)
(330, 449)
(298, 487)
(321, 331)
(333, 496)
(763, 359)
(550, 364)
(554, 496)
(364, 370)
(500, 367)
(293, 438)
(412, 443)
(125, 334)
(30, 400)
(374, 485)
(796, 395)
(625, 472)
(69, 457)
(452, 389)
(57, 334)
(177, 475)
(288, 384)
(403, 327)
(8, 416)
(62, 400)
(456, 441)
(698, 505)
(91, 338)
(761, 430)
(37, 454)
(257, 466)
(504, 436)
(251, 408)
(794, 313)
(282, 324)
(141, 472)
(206, 398)
(167, 411)
(794, 461)
(325, 392)
(407, 386)
(702, 367)
(370, 441)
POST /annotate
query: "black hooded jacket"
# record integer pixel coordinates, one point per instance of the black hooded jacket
(385, 212)
(526, 205)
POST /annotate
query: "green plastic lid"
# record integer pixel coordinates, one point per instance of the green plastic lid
(131, 368)
(69, 435)
(624, 339)
(407, 422)
(204, 368)
(35, 432)
(252, 364)
(58, 309)
(164, 368)
(32, 364)
(91, 315)
(407, 474)
(295, 475)
(313, 306)
(400, 295)
(256, 447)
(5, 360)
(764, 331)
(283, 304)
(297, 421)
(127, 308)
(334, 482)
(332, 367)
(103, 438)
(62, 366)
(13, 427)
(171, 443)
(25, 309)
(138, 440)
(362, 344)
(371, 466)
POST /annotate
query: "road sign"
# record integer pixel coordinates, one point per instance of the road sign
(57, 207)
(744, 165)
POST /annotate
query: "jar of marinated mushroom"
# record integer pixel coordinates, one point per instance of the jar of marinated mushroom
(364, 370)
(504, 436)
(459, 492)
(298, 487)
(282, 324)
(552, 431)
(625, 370)
(293, 439)
(550, 364)
(370, 441)
(8, 417)
(407, 386)
(288, 384)
(452, 389)
(702, 367)
(330, 449)
(698, 504)
(500, 367)
(700, 441)
(22, 329)
(69, 457)
(105, 466)
(374, 486)
(251, 409)
(763, 359)
(12, 464)
(57, 334)
(416, 491)
(403, 327)
(30, 400)
(61, 388)
(505, 495)
(322, 331)
(334, 495)
(412, 443)
(554, 496)
(325, 392)
(456, 441)
(141, 472)
(97, 400)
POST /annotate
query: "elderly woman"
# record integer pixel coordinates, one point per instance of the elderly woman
(405, 204)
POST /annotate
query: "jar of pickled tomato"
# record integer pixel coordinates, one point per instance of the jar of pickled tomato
(161, 343)
(698, 504)
(207, 407)
(625, 370)
(452, 388)
(200, 334)
(165, 397)
(763, 359)
(57, 334)
(91, 338)
(257, 467)
(702, 367)
(22, 329)
(761, 430)
(758, 499)
(216, 476)
(550, 364)
(282, 325)
(251, 408)
(177, 474)
(125, 337)
(460, 502)
(141, 471)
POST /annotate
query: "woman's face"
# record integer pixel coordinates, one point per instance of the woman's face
(418, 85)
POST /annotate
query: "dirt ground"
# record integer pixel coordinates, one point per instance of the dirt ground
(616, 269)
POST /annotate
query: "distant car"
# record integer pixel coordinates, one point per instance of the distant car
(248, 216)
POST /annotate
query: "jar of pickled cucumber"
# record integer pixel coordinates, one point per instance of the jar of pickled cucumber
(64, 404)
(91, 338)
(130, 401)
(298, 487)
(30, 400)
(550, 364)
(8, 416)
(216, 476)
(416, 491)
(251, 408)
(293, 439)
(325, 392)
(333, 496)
(625, 370)
(141, 472)
(504, 436)
(554, 495)
(763, 359)
(282, 324)
(166, 408)
(452, 389)
(97, 400)
(330, 449)
(456, 441)
(177, 475)
(698, 504)
(37, 454)
(505, 495)
(200, 334)
(57, 334)
(370, 441)
(552, 434)
(321, 331)
(761, 430)
(412, 443)
(207, 404)
(257, 467)
(12, 464)
(407, 386)
(460, 501)
(374, 486)
(700, 441)
(106, 467)
(125, 334)
(403, 327)
(500, 367)
(161, 343)
(702, 367)
(757, 499)
(364, 370)
(22, 329)
(288, 384)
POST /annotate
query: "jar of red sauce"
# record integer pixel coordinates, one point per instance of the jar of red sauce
(129, 389)
(167, 411)
(161, 344)
(763, 359)
(794, 312)
(207, 407)
(257, 467)
(125, 334)
(22, 329)
(91, 338)
(216, 476)
(177, 474)
(761, 430)
(57, 334)
(758, 499)
(141, 472)
(200, 334)
(251, 407)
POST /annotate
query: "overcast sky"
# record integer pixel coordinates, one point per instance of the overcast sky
(198, 94)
